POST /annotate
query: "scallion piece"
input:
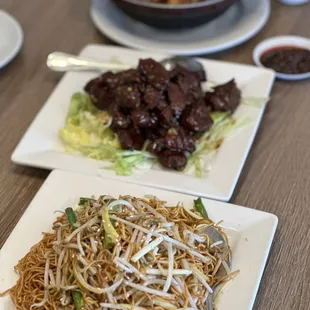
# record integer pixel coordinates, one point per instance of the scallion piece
(107, 241)
(200, 208)
(71, 217)
(78, 300)
(84, 200)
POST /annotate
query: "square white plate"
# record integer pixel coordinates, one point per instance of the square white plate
(250, 231)
(41, 146)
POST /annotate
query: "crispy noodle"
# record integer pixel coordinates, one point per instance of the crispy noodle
(159, 260)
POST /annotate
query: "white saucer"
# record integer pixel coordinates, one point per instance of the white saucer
(238, 24)
(11, 38)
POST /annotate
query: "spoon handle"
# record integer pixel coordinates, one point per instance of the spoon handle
(63, 62)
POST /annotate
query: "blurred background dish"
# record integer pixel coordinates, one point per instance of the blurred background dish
(174, 16)
(11, 38)
(239, 23)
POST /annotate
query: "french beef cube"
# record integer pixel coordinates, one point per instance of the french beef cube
(181, 143)
(130, 139)
(166, 116)
(189, 83)
(128, 96)
(109, 79)
(100, 96)
(225, 97)
(177, 99)
(152, 97)
(141, 118)
(172, 160)
(153, 73)
(156, 146)
(129, 77)
(119, 119)
(196, 118)
(200, 75)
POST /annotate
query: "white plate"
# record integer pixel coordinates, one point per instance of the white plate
(250, 231)
(41, 146)
(11, 38)
(280, 41)
(238, 24)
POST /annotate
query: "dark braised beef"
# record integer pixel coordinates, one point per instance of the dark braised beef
(172, 160)
(130, 139)
(175, 139)
(99, 92)
(120, 119)
(144, 119)
(189, 83)
(169, 109)
(180, 143)
(151, 96)
(225, 97)
(166, 116)
(177, 99)
(196, 117)
(128, 96)
(153, 73)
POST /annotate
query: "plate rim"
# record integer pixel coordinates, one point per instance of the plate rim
(19, 42)
(196, 51)
(52, 182)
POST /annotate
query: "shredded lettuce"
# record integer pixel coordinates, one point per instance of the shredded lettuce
(87, 131)
(224, 125)
(80, 102)
(254, 101)
(126, 161)
(218, 117)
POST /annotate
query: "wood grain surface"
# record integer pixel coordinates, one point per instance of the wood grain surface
(276, 177)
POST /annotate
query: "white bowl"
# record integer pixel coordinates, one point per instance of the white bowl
(278, 42)
(293, 2)
(11, 35)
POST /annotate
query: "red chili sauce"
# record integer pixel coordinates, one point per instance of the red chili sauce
(287, 59)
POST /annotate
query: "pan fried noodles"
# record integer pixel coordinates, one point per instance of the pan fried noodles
(128, 253)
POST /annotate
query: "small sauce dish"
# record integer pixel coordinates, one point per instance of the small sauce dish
(288, 56)
(293, 2)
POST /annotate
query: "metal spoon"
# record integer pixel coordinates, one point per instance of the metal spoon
(215, 236)
(63, 62)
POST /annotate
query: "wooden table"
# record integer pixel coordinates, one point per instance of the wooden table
(276, 177)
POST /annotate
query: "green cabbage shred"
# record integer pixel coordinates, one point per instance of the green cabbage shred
(224, 125)
(87, 131)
